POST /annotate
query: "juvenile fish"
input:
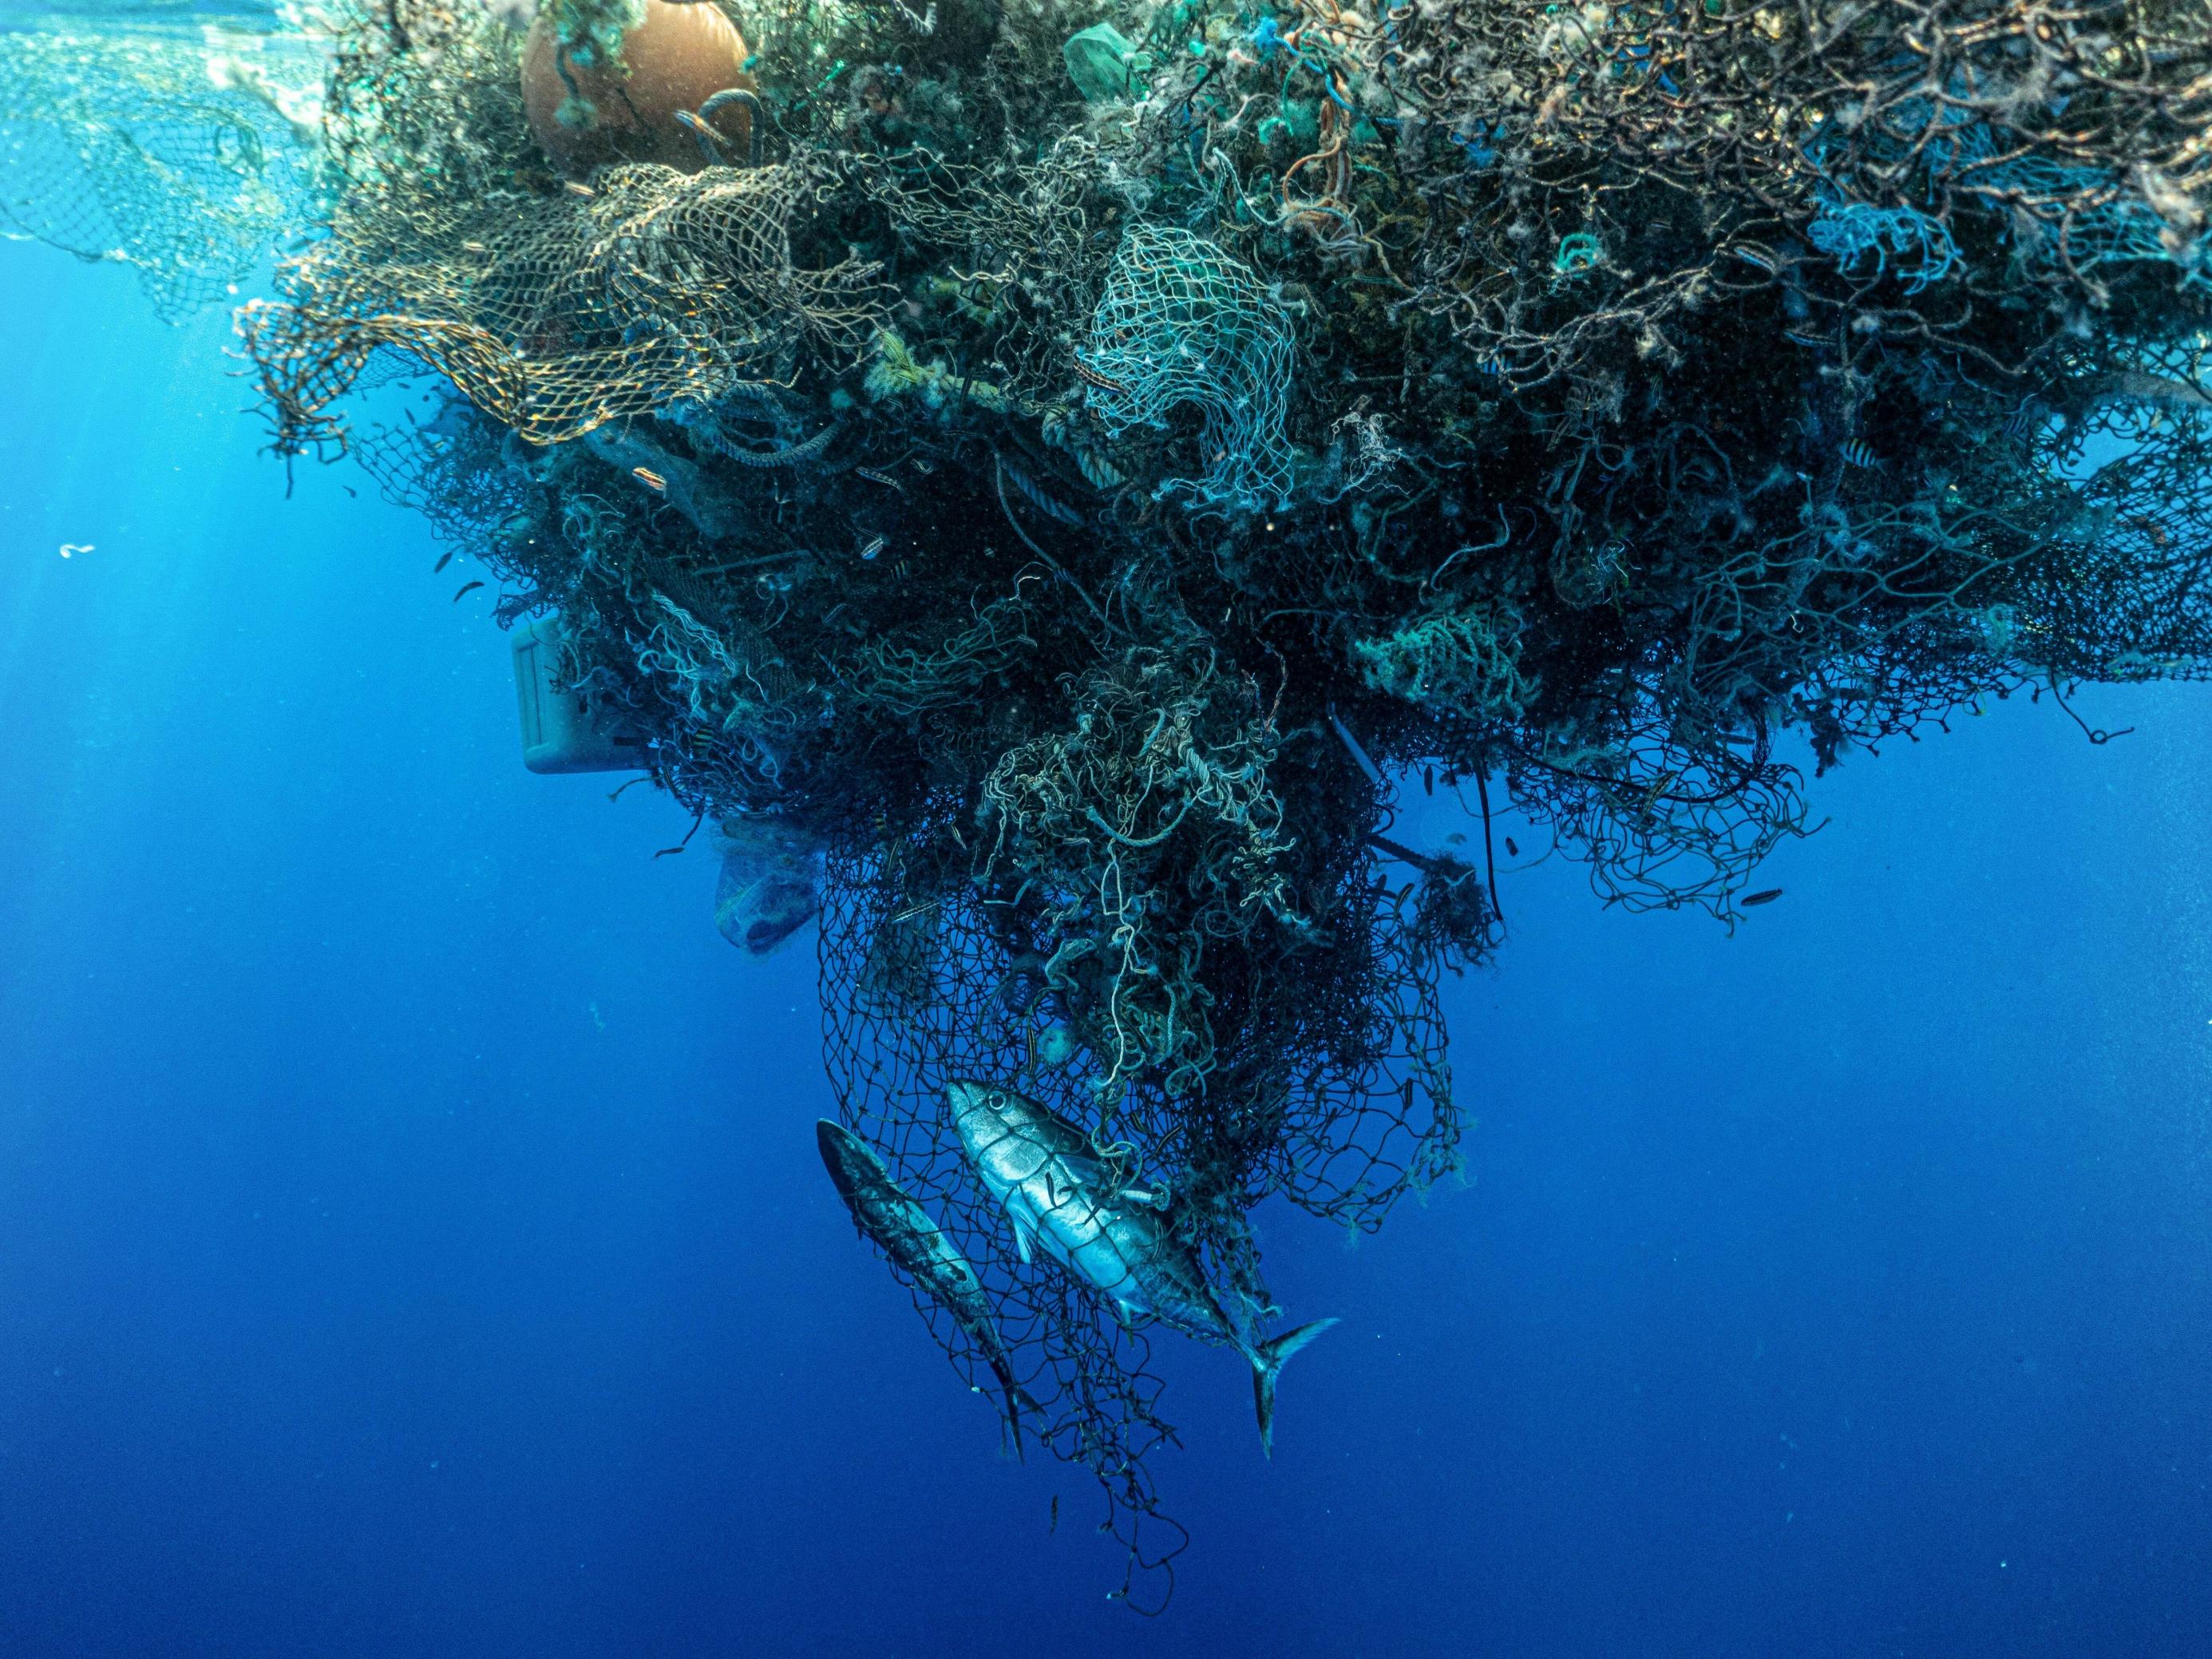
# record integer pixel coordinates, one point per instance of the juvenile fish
(467, 588)
(1767, 896)
(885, 1213)
(1091, 376)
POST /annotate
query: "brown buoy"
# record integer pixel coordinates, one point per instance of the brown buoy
(589, 113)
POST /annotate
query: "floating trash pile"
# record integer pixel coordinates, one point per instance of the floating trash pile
(1039, 474)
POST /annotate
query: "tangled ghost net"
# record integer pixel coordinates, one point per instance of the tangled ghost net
(1047, 471)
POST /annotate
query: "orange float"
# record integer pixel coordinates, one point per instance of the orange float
(632, 106)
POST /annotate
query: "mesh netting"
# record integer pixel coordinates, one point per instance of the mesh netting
(922, 988)
(558, 314)
(1181, 323)
(184, 157)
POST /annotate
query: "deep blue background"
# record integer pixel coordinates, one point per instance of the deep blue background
(412, 1243)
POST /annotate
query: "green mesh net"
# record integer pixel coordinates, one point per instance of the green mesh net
(558, 314)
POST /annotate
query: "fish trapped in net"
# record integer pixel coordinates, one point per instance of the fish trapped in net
(919, 1249)
(1083, 1206)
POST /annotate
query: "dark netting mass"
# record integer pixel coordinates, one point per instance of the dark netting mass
(1051, 468)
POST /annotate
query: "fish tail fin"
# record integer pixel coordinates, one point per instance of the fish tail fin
(1268, 1359)
(1010, 1426)
(1016, 1403)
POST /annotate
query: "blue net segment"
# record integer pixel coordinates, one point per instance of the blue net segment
(2074, 214)
(2087, 217)
(1180, 322)
(1865, 239)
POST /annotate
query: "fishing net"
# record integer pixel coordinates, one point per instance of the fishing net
(556, 314)
(1337, 1097)
(185, 157)
(1066, 469)
(1182, 323)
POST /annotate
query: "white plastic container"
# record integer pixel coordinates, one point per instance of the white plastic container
(557, 735)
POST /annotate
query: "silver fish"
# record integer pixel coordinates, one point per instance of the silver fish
(1072, 1200)
(886, 1212)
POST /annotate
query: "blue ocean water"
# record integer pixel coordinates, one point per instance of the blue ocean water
(412, 1241)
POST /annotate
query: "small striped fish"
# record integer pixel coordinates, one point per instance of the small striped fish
(1091, 376)
(1856, 452)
